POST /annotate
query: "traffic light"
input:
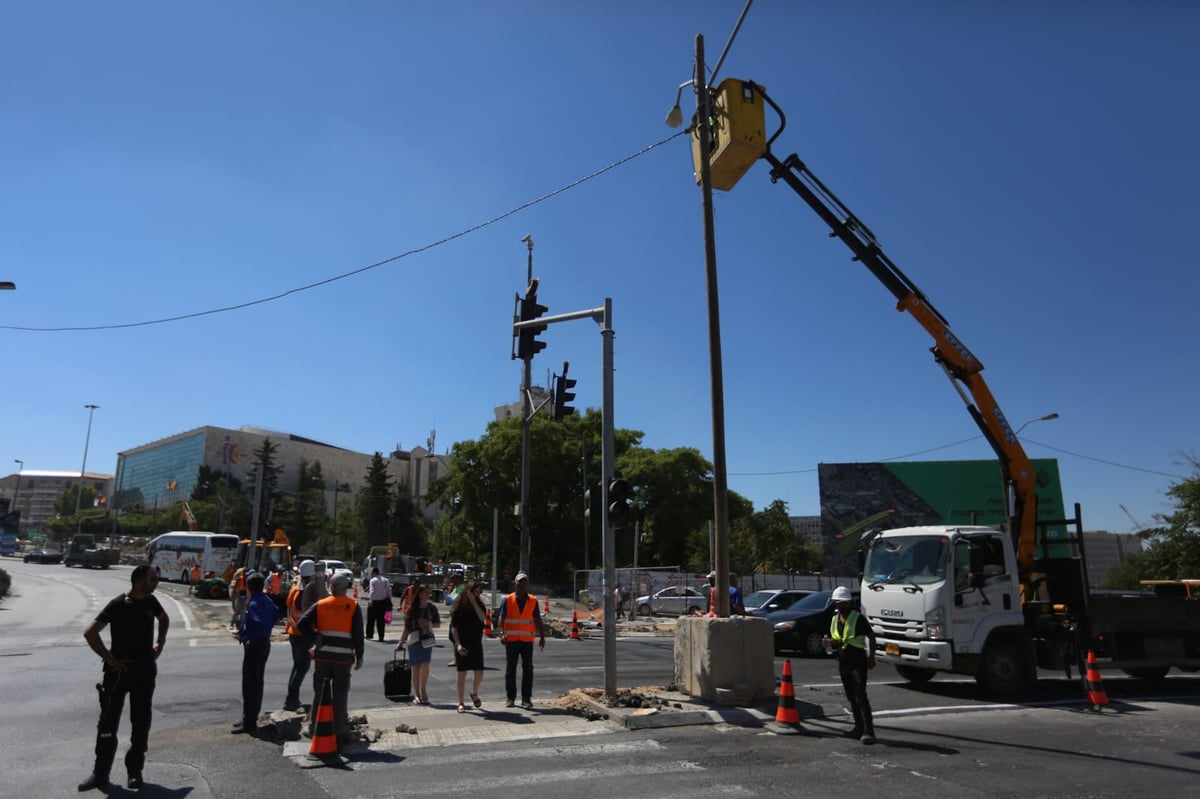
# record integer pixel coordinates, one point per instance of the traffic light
(527, 343)
(619, 496)
(563, 394)
(592, 507)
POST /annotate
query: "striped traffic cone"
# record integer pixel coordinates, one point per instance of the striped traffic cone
(1096, 695)
(574, 625)
(546, 610)
(324, 739)
(487, 625)
(787, 713)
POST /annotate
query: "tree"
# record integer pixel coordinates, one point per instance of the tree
(375, 503)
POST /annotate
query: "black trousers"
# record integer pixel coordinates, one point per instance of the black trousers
(375, 613)
(853, 671)
(339, 673)
(254, 669)
(524, 651)
(136, 682)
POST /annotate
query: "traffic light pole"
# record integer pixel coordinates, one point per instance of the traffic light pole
(602, 315)
(526, 426)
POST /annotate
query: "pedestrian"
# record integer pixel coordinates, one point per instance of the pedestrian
(737, 606)
(519, 620)
(619, 600)
(194, 580)
(454, 590)
(710, 608)
(237, 590)
(255, 638)
(467, 619)
(338, 627)
(380, 596)
(301, 596)
(130, 669)
(849, 634)
(419, 623)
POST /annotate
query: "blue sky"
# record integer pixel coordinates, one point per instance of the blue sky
(1031, 168)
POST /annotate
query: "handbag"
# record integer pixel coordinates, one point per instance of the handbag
(427, 639)
(387, 617)
(414, 638)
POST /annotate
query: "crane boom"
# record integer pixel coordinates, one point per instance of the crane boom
(738, 138)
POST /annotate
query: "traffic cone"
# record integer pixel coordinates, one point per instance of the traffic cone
(355, 590)
(1096, 694)
(487, 625)
(574, 625)
(787, 713)
(324, 739)
(546, 610)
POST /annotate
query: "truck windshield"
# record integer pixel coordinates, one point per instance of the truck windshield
(909, 559)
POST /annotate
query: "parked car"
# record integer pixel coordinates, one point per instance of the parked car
(43, 556)
(761, 603)
(672, 601)
(335, 567)
(801, 627)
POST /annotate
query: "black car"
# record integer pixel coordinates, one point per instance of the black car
(764, 603)
(801, 627)
(43, 556)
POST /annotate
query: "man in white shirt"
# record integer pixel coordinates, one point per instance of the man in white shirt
(381, 602)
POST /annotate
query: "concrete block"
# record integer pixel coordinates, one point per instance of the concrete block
(725, 661)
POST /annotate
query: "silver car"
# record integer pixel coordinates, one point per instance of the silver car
(672, 601)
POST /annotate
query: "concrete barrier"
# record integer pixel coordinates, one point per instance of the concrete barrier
(725, 661)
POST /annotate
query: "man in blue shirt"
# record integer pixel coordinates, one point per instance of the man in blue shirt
(255, 637)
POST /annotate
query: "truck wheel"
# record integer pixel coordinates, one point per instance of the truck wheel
(1005, 671)
(813, 646)
(914, 675)
(214, 590)
(1152, 674)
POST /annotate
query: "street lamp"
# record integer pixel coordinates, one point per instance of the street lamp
(1045, 418)
(83, 469)
(7, 285)
(17, 491)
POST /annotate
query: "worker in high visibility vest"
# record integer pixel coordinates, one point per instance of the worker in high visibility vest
(849, 634)
(195, 580)
(238, 591)
(520, 619)
(338, 626)
(302, 596)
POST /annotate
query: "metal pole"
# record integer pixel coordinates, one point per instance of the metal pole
(608, 458)
(82, 469)
(720, 478)
(586, 531)
(17, 491)
(251, 554)
(495, 552)
(526, 434)
(637, 535)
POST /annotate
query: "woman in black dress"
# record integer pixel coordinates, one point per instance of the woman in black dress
(466, 632)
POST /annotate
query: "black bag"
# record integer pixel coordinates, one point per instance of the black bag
(397, 677)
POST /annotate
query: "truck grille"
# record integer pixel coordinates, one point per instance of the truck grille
(897, 629)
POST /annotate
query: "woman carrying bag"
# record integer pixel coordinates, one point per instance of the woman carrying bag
(419, 623)
(466, 633)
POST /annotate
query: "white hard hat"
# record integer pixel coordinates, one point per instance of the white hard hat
(307, 568)
(842, 594)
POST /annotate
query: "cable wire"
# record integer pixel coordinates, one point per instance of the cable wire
(361, 269)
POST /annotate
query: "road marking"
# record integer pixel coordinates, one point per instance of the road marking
(187, 616)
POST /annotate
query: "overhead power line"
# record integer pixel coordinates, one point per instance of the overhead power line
(281, 295)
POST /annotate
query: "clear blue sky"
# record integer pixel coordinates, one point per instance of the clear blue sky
(1032, 167)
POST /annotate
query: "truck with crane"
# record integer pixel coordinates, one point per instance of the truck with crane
(994, 604)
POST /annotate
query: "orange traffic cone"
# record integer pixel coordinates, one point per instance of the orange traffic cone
(546, 610)
(574, 625)
(355, 590)
(787, 713)
(487, 625)
(1096, 694)
(324, 739)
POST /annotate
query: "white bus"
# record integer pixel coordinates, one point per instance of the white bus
(174, 554)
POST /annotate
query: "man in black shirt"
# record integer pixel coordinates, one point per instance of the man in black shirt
(129, 668)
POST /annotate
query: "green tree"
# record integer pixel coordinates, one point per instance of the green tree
(375, 503)
(265, 456)
(1172, 549)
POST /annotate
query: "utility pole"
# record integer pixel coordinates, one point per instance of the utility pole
(83, 469)
(526, 428)
(720, 475)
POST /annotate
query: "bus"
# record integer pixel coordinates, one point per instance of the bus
(174, 554)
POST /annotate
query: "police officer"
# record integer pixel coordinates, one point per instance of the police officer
(849, 633)
(129, 669)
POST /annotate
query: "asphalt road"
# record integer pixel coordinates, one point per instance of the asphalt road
(943, 739)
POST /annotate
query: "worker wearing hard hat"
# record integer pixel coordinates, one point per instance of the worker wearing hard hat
(303, 595)
(850, 633)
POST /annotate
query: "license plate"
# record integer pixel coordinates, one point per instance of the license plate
(892, 649)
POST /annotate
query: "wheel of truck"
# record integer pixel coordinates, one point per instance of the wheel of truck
(914, 675)
(814, 647)
(1151, 674)
(214, 589)
(644, 610)
(1005, 670)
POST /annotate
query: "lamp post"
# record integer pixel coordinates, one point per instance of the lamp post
(82, 469)
(1045, 418)
(17, 490)
(7, 285)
